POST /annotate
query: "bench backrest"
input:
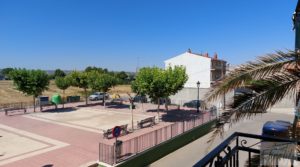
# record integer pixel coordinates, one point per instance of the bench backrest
(151, 119)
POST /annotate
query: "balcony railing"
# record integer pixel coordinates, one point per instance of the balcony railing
(242, 149)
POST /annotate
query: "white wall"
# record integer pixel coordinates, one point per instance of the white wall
(197, 68)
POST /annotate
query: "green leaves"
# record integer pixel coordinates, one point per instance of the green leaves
(159, 83)
(62, 83)
(30, 82)
(268, 80)
(261, 68)
(78, 79)
(100, 81)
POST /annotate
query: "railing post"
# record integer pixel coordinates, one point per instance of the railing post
(193, 122)
(249, 158)
(155, 137)
(99, 152)
(115, 153)
(237, 151)
(171, 131)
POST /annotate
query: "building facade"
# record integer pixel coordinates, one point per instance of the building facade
(199, 67)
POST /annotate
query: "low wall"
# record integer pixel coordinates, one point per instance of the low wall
(153, 154)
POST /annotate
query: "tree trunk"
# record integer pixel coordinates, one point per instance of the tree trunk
(131, 108)
(63, 99)
(33, 103)
(86, 98)
(104, 100)
(166, 104)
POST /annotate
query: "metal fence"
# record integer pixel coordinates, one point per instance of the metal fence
(17, 105)
(106, 153)
(138, 144)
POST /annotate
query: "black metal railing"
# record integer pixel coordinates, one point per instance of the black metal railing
(228, 153)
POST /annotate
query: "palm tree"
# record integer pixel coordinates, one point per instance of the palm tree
(270, 79)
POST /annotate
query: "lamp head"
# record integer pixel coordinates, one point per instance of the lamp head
(198, 84)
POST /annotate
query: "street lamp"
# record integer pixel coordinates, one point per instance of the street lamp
(198, 105)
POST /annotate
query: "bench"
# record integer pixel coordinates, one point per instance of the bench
(148, 122)
(6, 110)
(107, 133)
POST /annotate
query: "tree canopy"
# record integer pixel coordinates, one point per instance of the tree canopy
(268, 80)
(159, 83)
(59, 73)
(101, 82)
(30, 82)
(62, 83)
(5, 72)
(79, 79)
(93, 68)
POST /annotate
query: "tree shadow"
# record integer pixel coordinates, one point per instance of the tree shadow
(175, 115)
(66, 109)
(90, 105)
(155, 110)
(117, 106)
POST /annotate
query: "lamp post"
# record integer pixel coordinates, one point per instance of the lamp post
(198, 105)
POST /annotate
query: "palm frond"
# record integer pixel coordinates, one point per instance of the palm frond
(264, 95)
(275, 89)
(259, 69)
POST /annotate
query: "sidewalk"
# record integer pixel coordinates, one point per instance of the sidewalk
(190, 154)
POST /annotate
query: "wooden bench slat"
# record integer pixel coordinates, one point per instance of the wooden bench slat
(150, 121)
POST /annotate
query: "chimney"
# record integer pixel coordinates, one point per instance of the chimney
(206, 55)
(215, 56)
(189, 50)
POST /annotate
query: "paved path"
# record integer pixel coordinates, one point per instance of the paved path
(66, 139)
(82, 146)
(190, 154)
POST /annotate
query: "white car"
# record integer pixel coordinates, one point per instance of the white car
(98, 96)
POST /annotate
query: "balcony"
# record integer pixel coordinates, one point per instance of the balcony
(242, 149)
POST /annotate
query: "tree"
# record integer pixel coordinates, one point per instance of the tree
(270, 78)
(63, 84)
(30, 82)
(79, 79)
(159, 83)
(5, 72)
(101, 82)
(59, 73)
(99, 69)
(122, 76)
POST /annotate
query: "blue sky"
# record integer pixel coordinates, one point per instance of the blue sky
(121, 34)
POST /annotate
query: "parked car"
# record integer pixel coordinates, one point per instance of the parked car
(140, 98)
(193, 104)
(98, 96)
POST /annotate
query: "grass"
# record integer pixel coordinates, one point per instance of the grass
(8, 93)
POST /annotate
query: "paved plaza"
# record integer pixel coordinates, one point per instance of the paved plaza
(68, 137)
(90, 119)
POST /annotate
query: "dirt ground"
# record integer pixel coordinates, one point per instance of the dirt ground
(8, 93)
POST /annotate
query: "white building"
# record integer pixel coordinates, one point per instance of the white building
(199, 67)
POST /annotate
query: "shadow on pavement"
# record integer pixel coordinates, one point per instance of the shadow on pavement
(67, 109)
